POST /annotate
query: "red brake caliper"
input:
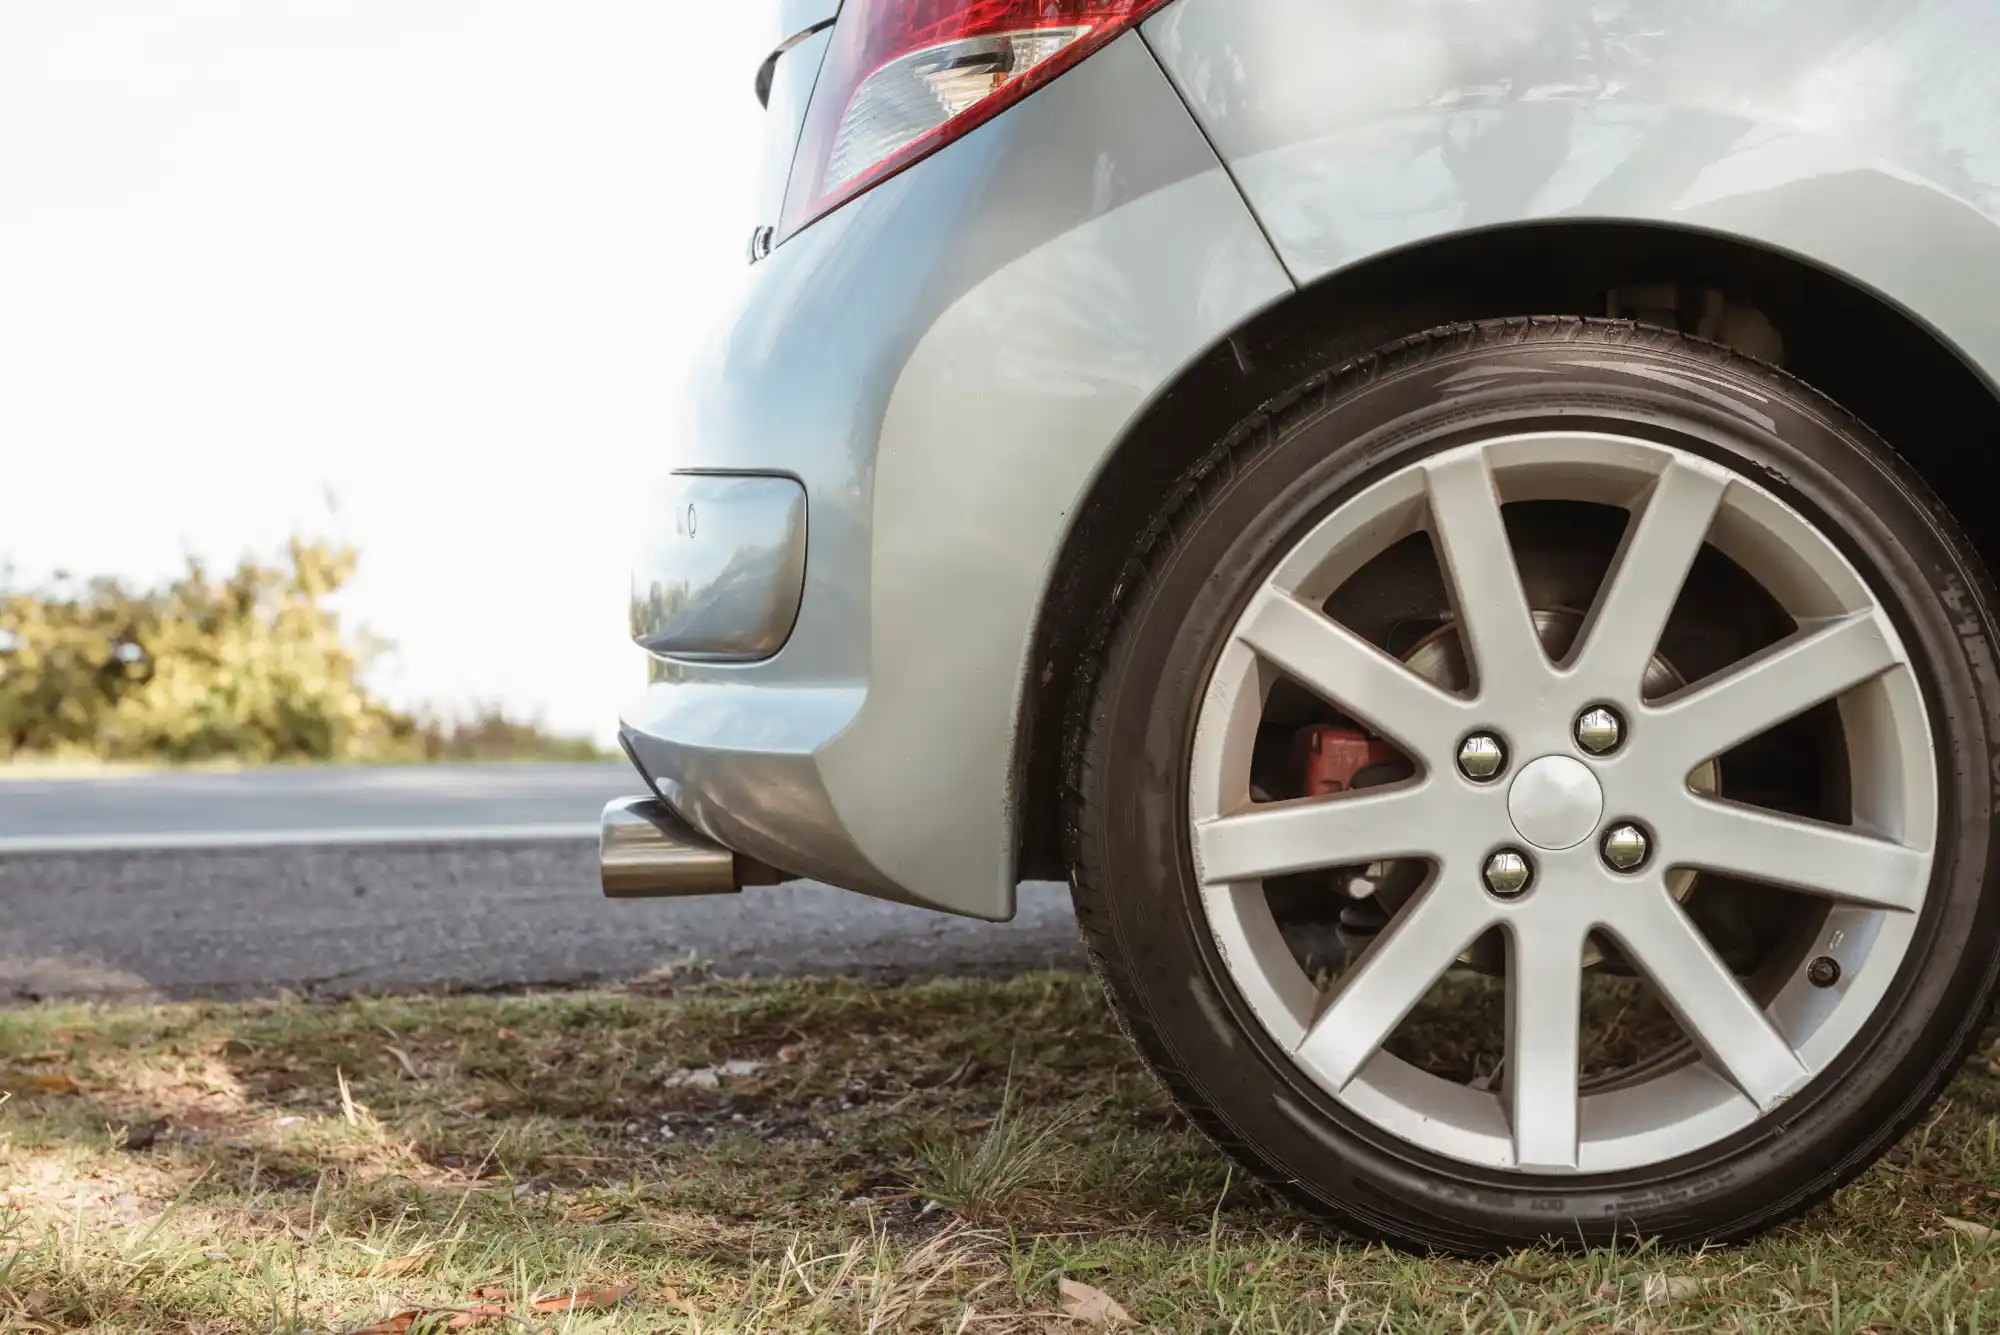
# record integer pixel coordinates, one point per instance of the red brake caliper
(1334, 756)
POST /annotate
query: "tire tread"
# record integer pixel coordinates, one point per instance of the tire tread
(1083, 820)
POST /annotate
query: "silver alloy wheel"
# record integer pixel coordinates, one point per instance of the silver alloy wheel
(1557, 800)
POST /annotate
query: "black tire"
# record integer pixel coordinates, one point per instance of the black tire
(1242, 507)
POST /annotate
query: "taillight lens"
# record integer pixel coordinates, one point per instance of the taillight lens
(903, 78)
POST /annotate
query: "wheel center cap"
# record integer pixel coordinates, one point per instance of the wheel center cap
(1555, 802)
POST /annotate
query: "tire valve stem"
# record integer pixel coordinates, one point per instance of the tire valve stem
(1823, 972)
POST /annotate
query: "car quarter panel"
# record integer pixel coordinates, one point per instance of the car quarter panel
(944, 364)
(1860, 135)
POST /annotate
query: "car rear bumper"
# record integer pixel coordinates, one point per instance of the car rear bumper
(943, 366)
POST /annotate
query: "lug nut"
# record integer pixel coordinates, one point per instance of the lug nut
(1823, 972)
(1625, 847)
(1508, 873)
(1481, 756)
(1599, 731)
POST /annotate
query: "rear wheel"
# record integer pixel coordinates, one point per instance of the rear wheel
(1539, 787)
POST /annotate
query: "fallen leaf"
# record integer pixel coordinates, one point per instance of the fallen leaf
(480, 1314)
(397, 1265)
(1081, 1302)
(789, 1052)
(456, 1318)
(584, 1300)
(1977, 1232)
(52, 1084)
(1671, 1288)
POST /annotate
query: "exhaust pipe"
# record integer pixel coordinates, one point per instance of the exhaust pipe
(645, 851)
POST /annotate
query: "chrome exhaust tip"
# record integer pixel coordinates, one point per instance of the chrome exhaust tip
(645, 851)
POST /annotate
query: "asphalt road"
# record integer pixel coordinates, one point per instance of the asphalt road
(335, 881)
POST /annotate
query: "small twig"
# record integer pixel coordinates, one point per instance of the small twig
(1960, 1181)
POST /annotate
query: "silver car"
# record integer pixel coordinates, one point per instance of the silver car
(1454, 526)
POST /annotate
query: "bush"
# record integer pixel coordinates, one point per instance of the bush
(249, 666)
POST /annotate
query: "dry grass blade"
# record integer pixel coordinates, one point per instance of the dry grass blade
(403, 1060)
(921, 1288)
(1018, 1154)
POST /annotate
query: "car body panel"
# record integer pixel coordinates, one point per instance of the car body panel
(787, 82)
(726, 568)
(945, 364)
(1840, 131)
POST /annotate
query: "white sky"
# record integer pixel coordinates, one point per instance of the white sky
(443, 258)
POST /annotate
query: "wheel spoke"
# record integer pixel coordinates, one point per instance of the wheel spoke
(1712, 1006)
(1623, 630)
(1379, 990)
(1478, 560)
(1544, 1028)
(1348, 671)
(1780, 683)
(1806, 855)
(1607, 814)
(1284, 837)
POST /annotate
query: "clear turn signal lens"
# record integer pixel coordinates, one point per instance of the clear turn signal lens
(915, 95)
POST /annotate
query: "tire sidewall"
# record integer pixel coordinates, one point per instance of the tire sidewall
(1283, 475)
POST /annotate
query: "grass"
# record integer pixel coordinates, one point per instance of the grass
(793, 1156)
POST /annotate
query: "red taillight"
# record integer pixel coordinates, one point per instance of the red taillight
(904, 78)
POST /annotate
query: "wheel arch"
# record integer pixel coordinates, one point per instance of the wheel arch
(1876, 358)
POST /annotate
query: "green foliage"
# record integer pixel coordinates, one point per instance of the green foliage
(491, 735)
(252, 665)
